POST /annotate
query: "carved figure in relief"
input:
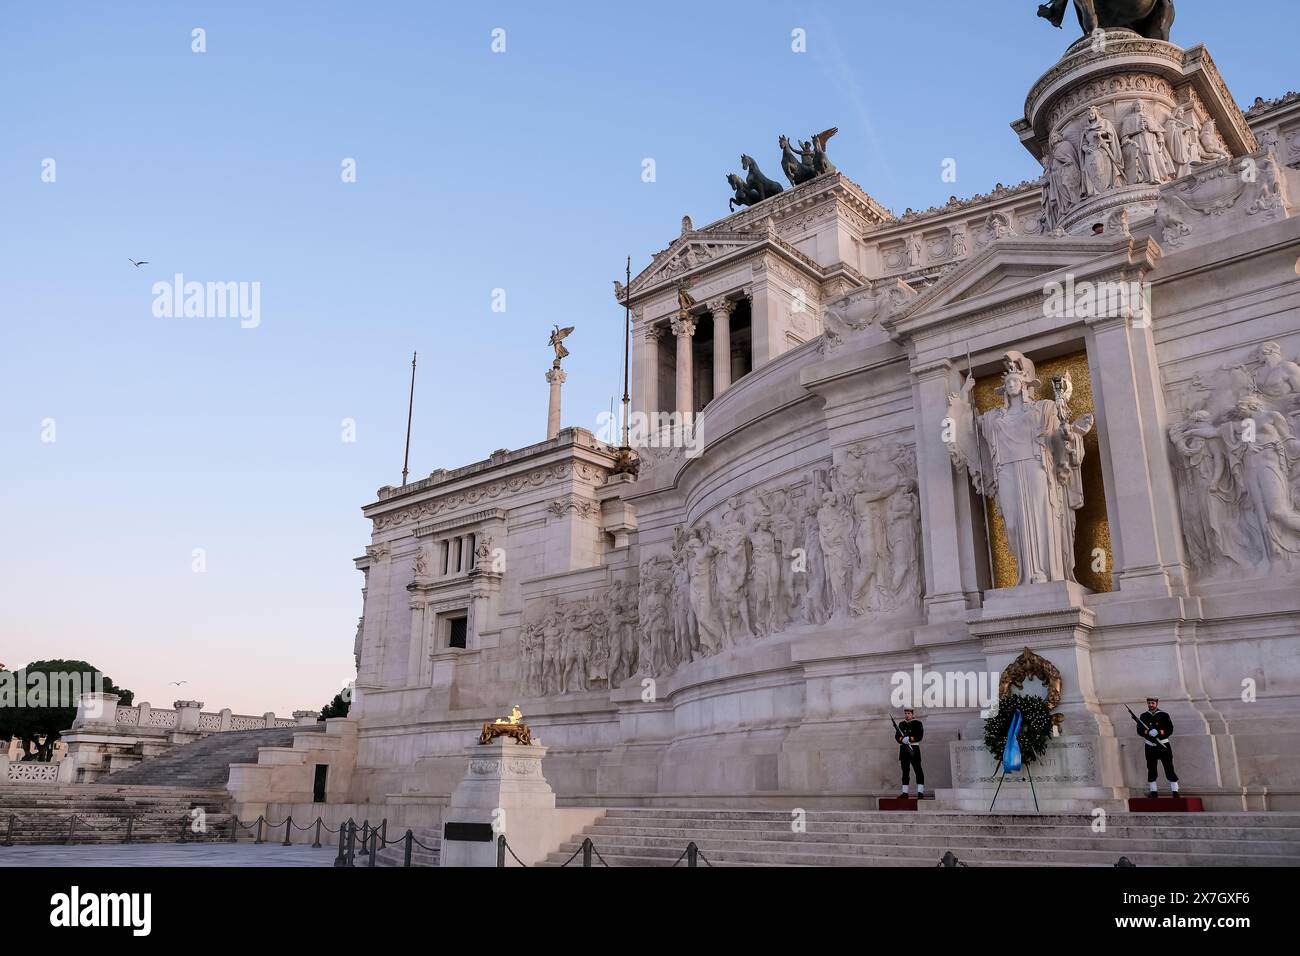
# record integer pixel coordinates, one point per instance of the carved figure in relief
(1103, 164)
(1153, 164)
(904, 530)
(1279, 379)
(780, 506)
(1212, 148)
(834, 527)
(552, 659)
(1239, 484)
(815, 597)
(617, 625)
(1184, 140)
(701, 556)
(732, 572)
(1064, 187)
(1021, 453)
(422, 562)
(870, 503)
(765, 578)
(685, 641)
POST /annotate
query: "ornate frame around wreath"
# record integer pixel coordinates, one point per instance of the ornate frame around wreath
(1027, 665)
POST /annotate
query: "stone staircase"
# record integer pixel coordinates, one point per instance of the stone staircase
(42, 814)
(657, 837)
(394, 854)
(205, 763)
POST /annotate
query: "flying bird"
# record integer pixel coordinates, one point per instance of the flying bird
(177, 683)
(142, 262)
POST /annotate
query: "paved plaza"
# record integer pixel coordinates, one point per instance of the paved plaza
(168, 854)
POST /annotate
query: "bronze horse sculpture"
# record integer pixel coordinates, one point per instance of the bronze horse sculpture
(755, 188)
(1152, 19)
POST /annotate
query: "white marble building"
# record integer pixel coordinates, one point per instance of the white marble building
(725, 629)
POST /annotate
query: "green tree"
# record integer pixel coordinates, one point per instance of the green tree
(338, 707)
(39, 702)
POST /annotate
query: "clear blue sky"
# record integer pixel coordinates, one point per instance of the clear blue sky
(476, 171)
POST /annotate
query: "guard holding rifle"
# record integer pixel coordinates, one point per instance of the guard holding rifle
(909, 734)
(1155, 728)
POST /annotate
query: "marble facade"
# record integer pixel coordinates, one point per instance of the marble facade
(726, 627)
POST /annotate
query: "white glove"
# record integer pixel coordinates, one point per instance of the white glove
(1151, 732)
(907, 740)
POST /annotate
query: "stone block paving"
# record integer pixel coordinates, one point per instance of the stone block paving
(165, 854)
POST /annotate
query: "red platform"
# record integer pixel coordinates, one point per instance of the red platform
(1165, 805)
(898, 803)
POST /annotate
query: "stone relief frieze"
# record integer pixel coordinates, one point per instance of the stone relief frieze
(1238, 466)
(491, 490)
(1255, 181)
(862, 309)
(575, 646)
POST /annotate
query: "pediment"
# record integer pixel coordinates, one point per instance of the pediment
(1010, 269)
(687, 253)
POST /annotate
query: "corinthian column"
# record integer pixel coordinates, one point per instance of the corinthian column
(721, 309)
(555, 377)
(684, 329)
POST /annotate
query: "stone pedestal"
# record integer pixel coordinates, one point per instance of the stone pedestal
(504, 788)
(1072, 777)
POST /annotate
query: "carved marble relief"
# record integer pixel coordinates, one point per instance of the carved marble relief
(1124, 140)
(1254, 183)
(843, 545)
(1238, 465)
(861, 310)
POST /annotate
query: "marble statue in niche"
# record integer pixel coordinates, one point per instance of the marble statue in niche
(1028, 455)
(1064, 186)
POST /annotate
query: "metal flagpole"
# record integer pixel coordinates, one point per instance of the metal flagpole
(627, 339)
(410, 408)
(984, 478)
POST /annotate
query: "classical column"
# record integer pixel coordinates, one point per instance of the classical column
(648, 370)
(555, 377)
(721, 309)
(684, 329)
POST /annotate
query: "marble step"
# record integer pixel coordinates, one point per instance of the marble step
(1027, 832)
(937, 816)
(1073, 848)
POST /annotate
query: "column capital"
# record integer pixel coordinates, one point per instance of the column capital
(683, 326)
(653, 333)
(722, 306)
(556, 376)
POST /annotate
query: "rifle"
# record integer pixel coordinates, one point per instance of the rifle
(899, 734)
(1144, 728)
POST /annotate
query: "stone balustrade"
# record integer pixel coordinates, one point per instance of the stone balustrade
(185, 716)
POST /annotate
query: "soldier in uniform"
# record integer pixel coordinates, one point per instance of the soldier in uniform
(1156, 728)
(909, 735)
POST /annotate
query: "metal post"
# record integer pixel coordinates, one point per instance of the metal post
(130, 825)
(9, 832)
(343, 829)
(182, 839)
(374, 847)
(288, 825)
(501, 850)
(352, 843)
(316, 845)
(692, 851)
(259, 830)
(72, 829)
(406, 856)
(234, 828)
(365, 837)
(586, 852)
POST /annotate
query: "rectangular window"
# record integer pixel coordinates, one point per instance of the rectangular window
(457, 631)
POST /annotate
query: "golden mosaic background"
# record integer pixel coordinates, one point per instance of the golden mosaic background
(1092, 526)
